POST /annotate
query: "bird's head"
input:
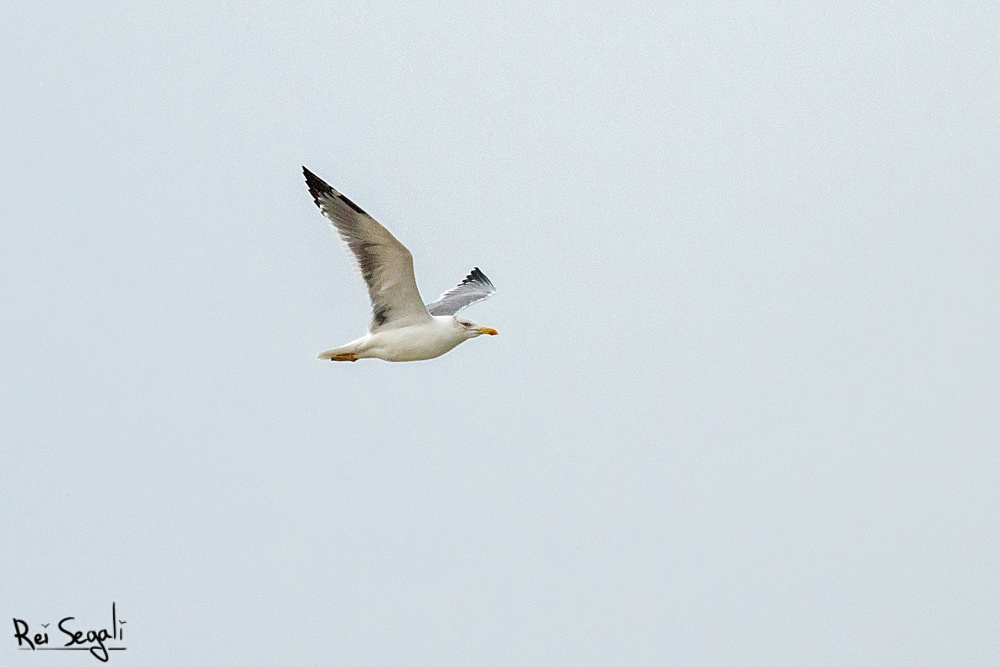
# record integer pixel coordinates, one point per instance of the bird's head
(471, 329)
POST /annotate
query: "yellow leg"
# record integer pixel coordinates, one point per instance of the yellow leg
(347, 356)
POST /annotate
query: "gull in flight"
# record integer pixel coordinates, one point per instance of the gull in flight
(402, 328)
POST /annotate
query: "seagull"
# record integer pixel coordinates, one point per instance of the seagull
(402, 328)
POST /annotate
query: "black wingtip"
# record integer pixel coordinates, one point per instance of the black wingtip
(477, 276)
(317, 186)
(320, 188)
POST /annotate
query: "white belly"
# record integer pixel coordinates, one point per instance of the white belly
(413, 343)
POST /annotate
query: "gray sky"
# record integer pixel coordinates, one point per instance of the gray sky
(742, 408)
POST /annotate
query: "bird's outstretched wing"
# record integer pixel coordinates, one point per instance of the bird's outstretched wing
(385, 263)
(475, 287)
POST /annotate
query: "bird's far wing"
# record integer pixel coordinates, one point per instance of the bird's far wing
(385, 263)
(475, 287)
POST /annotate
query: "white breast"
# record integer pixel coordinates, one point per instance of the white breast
(422, 341)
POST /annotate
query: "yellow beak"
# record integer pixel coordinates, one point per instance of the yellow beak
(488, 331)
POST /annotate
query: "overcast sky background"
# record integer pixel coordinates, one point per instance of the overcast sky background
(743, 404)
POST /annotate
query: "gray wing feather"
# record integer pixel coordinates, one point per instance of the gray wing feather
(386, 265)
(475, 287)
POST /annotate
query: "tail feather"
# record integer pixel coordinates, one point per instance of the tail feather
(343, 353)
